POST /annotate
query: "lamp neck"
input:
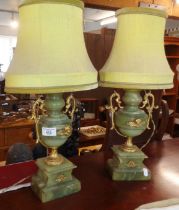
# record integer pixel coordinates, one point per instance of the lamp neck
(132, 99)
(54, 104)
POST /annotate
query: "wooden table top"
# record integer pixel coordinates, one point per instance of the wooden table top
(99, 192)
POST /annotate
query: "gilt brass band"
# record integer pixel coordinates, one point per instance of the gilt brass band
(128, 146)
(54, 159)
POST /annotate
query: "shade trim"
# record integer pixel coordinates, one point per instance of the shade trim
(37, 90)
(141, 10)
(29, 81)
(76, 3)
(137, 78)
(140, 86)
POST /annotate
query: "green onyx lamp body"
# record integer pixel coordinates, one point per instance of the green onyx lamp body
(52, 125)
(130, 121)
(54, 178)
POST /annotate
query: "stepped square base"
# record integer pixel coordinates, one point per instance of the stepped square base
(128, 165)
(52, 182)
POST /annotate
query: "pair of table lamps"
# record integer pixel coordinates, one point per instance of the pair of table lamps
(51, 58)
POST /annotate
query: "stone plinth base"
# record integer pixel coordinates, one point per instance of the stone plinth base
(128, 165)
(52, 182)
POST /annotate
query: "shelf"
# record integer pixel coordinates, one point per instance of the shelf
(17, 123)
(171, 40)
(176, 121)
(171, 112)
(88, 99)
(169, 94)
(89, 122)
(91, 113)
(172, 56)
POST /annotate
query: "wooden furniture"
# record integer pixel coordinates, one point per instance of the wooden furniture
(91, 118)
(172, 95)
(2, 84)
(17, 132)
(93, 43)
(99, 46)
(91, 114)
(85, 142)
(100, 192)
(172, 8)
(163, 121)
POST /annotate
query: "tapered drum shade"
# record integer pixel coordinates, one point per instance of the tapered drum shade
(138, 60)
(50, 56)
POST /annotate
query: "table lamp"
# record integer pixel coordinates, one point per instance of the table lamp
(137, 62)
(51, 58)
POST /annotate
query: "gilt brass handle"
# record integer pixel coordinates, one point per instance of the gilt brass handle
(115, 97)
(37, 107)
(149, 104)
(70, 106)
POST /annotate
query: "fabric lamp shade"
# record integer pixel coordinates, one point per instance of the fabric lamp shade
(50, 56)
(137, 59)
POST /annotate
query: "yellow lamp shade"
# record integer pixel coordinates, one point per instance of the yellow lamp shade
(50, 56)
(137, 59)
